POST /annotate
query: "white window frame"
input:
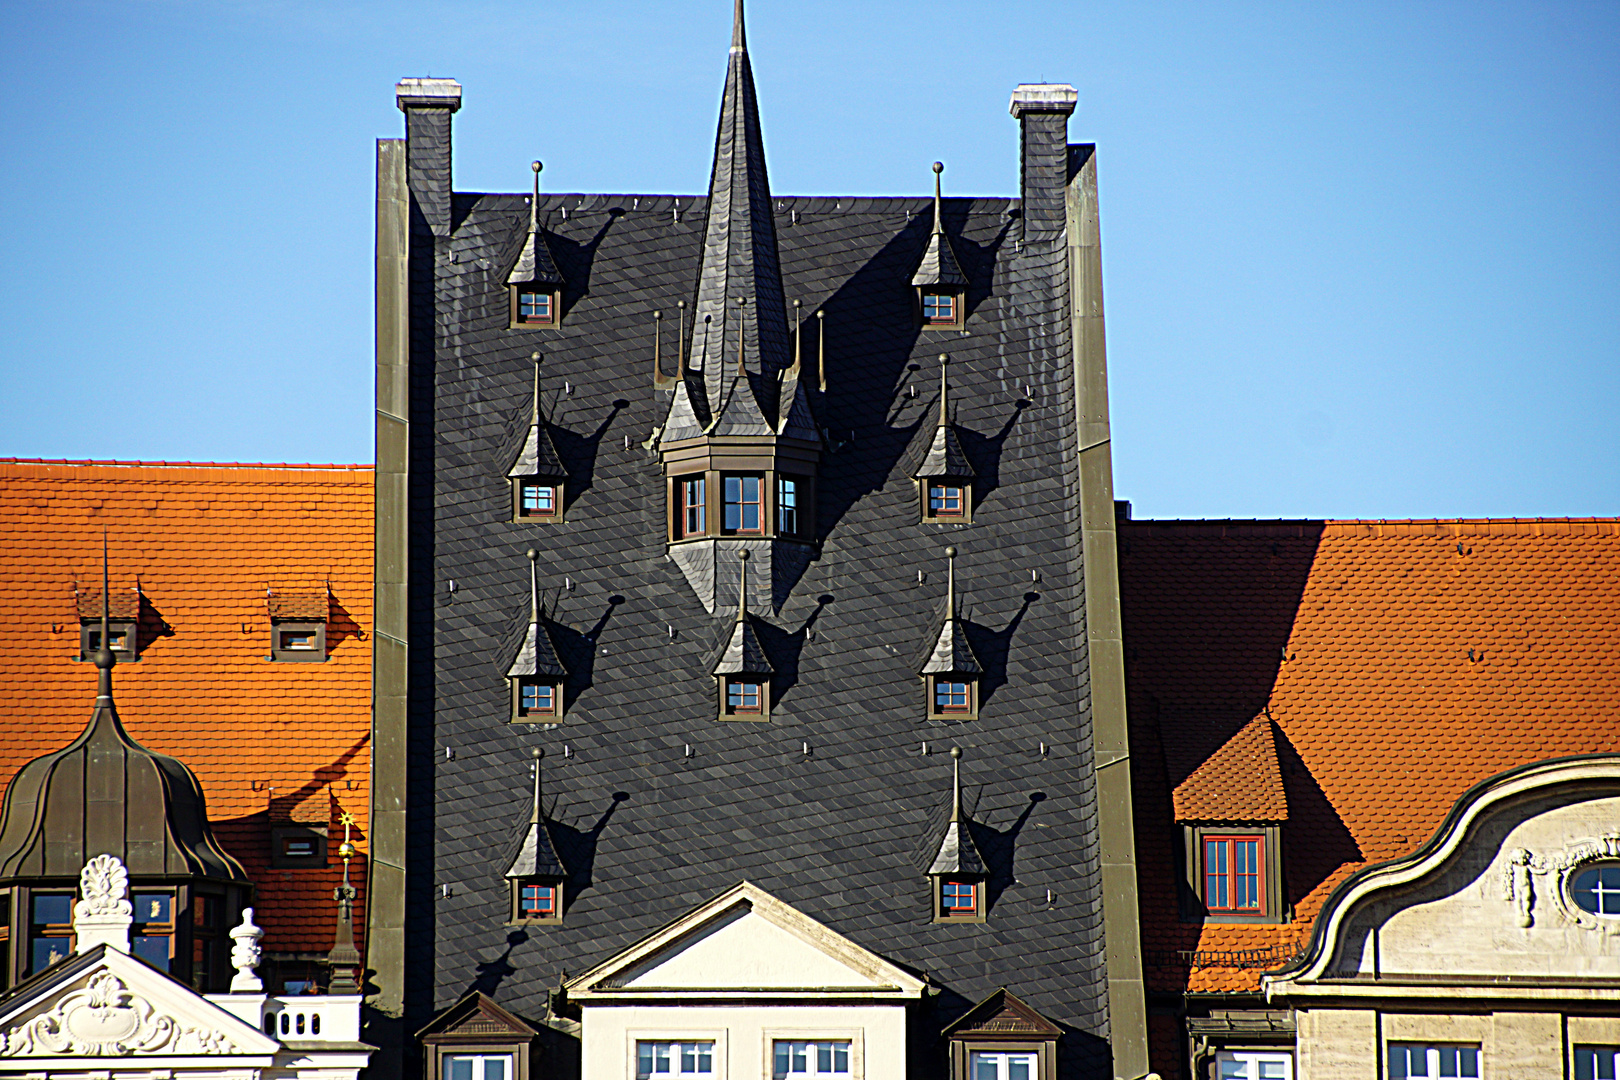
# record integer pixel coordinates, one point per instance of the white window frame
(1431, 1058)
(1251, 1060)
(1002, 1057)
(856, 1037)
(445, 1061)
(634, 1037)
(1599, 1052)
(812, 1052)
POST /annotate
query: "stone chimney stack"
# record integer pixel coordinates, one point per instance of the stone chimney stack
(1042, 111)
(427, 105)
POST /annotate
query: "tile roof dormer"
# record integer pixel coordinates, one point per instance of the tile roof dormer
(1238, 780)
(535, 854)
(534, 265)
(939, 266)
(126, 604)
(956, 852)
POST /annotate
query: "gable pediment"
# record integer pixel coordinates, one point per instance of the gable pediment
(1003, 1016)
(746, 943)
(105, 1004)
(476, 1017)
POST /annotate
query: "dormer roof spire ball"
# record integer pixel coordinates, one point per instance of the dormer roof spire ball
(534, 203)
(537, 753)
(535, 419)
(950, 590)
(939, 167)
(534, 585)
(742, 580)
(944, 391)
(956, 784)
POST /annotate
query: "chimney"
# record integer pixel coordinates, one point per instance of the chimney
(427, 105)
(1043, 111)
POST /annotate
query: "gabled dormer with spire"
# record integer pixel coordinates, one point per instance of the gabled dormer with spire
(957, 868)
(739, 444)
(535, 872)
(742, 673)
(538, 478)
(945, 477)
(536, 676)
(950, 671)
(106, 794)
(534, 285)
(941, 286)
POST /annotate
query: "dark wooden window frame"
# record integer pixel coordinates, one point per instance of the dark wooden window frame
(941, 915)
(435, 1053)
(761, 503)
(281, 835)
(1193, 909)
(958, 307)
(520, 716)
(515, 915)
(1045, 1051)
(779, 509)
(515, 319)
(724, 682)
(90, 634)
(521, 514)
(316, 655)
(925, 500)
(935, 713)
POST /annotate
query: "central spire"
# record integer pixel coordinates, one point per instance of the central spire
(740, 322)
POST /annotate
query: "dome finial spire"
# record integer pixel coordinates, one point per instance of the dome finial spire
(104, 655)
(739, 40)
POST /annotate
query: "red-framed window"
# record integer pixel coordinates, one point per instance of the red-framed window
(539, 500)
(744, 508)
(534, 307)
(958, 897)
(536, 698)
(537, 901)
(1234, 874)
(939, 307)
(952, 696)
(944, 500)
(691, 516)
(744, 697)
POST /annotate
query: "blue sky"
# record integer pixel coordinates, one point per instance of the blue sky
(1360, 260)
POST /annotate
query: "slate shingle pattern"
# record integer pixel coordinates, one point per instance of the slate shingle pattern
(657, 806)
(204, 542)
(1402, 662)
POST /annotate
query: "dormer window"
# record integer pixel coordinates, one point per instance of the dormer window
(941, 309)
(123, 624)
(534, 308)
(746, 696)
(537, 900)
(536, 499)
(952, 696)
(1232, 873)
(958, 898)
(121, 635)
(744, 510)
(947, 499)
(298, 640)
(536, 699)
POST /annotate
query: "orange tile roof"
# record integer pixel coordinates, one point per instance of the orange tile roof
(1402, 662)
(1234, 778)
(203, 543)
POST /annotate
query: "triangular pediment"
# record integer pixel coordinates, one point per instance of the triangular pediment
(475, 1016)
(746, 943)
(1002, 1015)
(105, 1004)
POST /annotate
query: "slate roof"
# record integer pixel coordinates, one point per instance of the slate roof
(194, 536)
(833, 831)
(1401, 662)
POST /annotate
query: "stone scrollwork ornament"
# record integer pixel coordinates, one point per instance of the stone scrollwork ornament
(103, 888)
(105, 1019)
(1518, 886)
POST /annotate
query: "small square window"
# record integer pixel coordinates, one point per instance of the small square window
(298, 847)
(536, 698)
(532, 306)
(946, 500)
(300, 640)
(536, 499)
(743, 696)
(122, 634)
(537, 901)
(939, 307)
(290, 640)
(958, 899)
(952, 696)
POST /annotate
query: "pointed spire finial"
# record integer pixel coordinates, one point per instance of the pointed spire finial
(534, 204)
(535, 418)
(742, 586)
(939, 167)
(739, 40)
(534, 586)
(956, 784)
(104, 656)
(944, 414)
(950, 583)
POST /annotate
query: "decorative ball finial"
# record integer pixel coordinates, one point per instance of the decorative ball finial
(939, 167)
(535, 356)
(743, 555)
(956, 751)
(537, 752)
(532, 554)
(537, 166)
(944, 359)
(950, 553)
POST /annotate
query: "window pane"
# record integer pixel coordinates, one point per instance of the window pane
(153, 907)
(153, 948)
(47, 951)
(53, 910)
(1019, 1068)
(458, 1068)
(495, 1068)
(984, 1067)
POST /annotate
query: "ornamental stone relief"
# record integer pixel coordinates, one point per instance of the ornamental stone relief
(1524, 866)
(105, 1019)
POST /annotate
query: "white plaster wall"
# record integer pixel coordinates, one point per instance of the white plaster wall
(1459, 922)
(743, 1035)
(745, 950)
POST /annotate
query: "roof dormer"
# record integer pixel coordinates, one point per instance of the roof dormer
(743, 672)
(945, 478)
(951, 671)
(534, 284)
(536, 677)
(941, 287)
(538, 477)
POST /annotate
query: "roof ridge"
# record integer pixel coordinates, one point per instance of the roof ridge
(1373, 527)
(279, 466)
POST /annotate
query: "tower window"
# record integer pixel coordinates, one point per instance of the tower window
(787, 505)
(743, 509)
(691, 515)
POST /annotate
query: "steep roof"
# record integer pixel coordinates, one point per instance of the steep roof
(1401, 662)
(205, 542)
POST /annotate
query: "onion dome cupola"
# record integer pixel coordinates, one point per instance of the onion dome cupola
(538, 478)
(951, 671)
(957, 868)
(742, 674)
(536, 676)
(740, 445)
(534, 284)
(945, 477)
(941, 286)
(106, 794)
(535, 872)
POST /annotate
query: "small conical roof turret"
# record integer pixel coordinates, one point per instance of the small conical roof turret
(536, 854)
(534, 262)
(939, 266)
(957, 852)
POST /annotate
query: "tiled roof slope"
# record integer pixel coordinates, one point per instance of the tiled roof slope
(1402, 662)
(204, 542)
(1234, 780)
(648, 831)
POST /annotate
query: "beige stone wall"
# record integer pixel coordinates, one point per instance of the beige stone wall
(1337, 1044)
(1514, 1045)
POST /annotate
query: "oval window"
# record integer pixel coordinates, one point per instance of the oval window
(1597, 889)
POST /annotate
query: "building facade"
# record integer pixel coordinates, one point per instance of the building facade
(747, 667)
